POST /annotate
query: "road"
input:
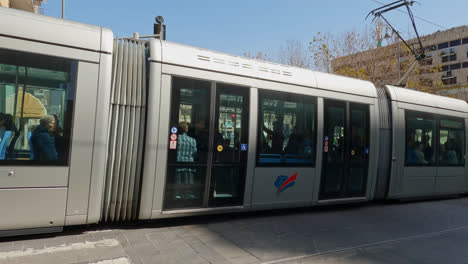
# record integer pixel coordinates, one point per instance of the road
(415, 232)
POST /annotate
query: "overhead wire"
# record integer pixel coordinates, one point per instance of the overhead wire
(420, 18)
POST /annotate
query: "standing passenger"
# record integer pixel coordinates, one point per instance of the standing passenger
(42, 140)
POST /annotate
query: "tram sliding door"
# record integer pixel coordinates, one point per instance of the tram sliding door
(346, 150)
(207, 145)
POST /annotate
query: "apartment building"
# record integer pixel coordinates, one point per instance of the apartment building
(444, 71)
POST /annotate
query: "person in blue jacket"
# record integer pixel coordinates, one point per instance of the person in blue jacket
(43, 141)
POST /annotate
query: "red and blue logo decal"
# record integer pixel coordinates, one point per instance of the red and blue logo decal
(283, 182)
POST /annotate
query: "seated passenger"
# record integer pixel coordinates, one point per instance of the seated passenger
(419, 152)
(451, 154)
(6, 123)
(42, 140)
(411, 157)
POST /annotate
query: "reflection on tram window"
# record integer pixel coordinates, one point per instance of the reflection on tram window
(452, 142)
(186, 171)
(287, 129)
(229, 131)
(36, 105)
(420, 139)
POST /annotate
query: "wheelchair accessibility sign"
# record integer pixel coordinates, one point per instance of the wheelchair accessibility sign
(243, 147)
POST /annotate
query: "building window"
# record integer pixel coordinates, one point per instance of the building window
(427, 60)
(465, 64)
(420, 139)
(426, 82)
(465, 41)
(455, 66)
(444, 68)
(451, 142)
(449, 81)
(455, 43)
(36, 106)
(443, 45)
(430, 48)
(449, 55)
(286, 129)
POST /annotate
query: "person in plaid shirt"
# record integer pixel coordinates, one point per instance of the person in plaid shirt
(186, 146)
(186, 151)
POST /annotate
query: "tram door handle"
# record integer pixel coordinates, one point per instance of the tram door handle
(11, 173)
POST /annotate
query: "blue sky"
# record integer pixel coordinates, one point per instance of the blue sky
(250, 26)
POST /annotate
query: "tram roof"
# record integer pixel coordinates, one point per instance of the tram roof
(421, 98)
(51, 30)
(178, 54)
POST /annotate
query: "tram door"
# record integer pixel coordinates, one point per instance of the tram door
(208, 145)
(345, 150)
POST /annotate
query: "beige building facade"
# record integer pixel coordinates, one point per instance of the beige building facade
(33, 6)
(444, 71)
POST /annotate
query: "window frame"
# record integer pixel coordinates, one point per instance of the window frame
(456, 119)
(437, 118)
(425, 115)
(313, 99)
(30, 60)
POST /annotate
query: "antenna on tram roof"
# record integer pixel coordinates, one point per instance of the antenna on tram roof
(159, 28)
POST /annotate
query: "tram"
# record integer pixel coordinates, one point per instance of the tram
(148, 129)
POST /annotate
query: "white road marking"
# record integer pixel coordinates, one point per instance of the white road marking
(98, 231)
(60, 248)
(114, 261)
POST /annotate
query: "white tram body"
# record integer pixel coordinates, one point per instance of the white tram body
(153, 129)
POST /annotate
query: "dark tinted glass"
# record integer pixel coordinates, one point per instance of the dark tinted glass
(359, 147)
(286, 129)
(455, 66)
(452, 142)
(465, 64)
(455, 43)
(465, 41)
(34, 88)
(420, 139)
(445, 68)
(188, 149)
(443, 45)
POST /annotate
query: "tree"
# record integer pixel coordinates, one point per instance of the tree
(293, 53)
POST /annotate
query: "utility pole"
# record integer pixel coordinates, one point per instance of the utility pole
(63, 9)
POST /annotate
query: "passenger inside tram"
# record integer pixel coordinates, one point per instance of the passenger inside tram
(6, 124)
(276, 135)
(43, 142)
(448, 155)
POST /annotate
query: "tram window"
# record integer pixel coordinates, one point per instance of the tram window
(286, 129)
(36, 106)
(452, 142)
(190, 115)
(420, 139)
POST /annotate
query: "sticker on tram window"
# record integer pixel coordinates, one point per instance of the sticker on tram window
(174, 130)
(353, 152)
(173, 145)
(173, 137)
(219, 148)
(326, 138)
(326, 143)
(283, 182)
(243, 147)
(325, 149)
(367, 151)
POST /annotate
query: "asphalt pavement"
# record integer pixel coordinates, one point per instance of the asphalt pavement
(415, 232)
